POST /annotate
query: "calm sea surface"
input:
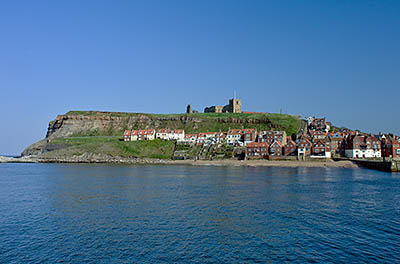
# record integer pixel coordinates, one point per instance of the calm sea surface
(53, 213)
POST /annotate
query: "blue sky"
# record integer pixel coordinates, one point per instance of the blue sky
(338, 59)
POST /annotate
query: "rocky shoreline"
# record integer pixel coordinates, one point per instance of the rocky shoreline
(91, 158)
(28, 159)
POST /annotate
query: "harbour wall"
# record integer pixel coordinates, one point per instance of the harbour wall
(389, 166)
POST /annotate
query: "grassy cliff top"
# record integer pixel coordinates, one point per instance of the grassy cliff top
(199, 115)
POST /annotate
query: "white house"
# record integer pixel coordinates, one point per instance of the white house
(362, 153)
(134, 135)
(363, 147)
(178, 135)
(190, 138)
(234, 136)
(309, 120)
(163, 134)
(142, 135)
(149, 134)
(167, 134)
(127, 135)
(214, 137)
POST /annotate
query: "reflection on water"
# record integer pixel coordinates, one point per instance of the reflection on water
(110, 213)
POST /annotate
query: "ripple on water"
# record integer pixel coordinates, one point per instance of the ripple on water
(157, 214)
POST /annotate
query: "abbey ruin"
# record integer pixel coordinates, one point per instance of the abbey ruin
(234, 106)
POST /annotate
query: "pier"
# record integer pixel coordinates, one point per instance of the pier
(389, 166)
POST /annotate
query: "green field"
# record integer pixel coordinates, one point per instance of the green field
(157, 149)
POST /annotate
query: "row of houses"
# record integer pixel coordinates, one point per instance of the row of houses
(236, 137)
(275, 149)
(349, 143)
(315, 142)
(302, 147)
(372, 146)
(318, 124)
(239, 137)
(151, 134)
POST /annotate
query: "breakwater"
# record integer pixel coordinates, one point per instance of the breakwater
(389, 166)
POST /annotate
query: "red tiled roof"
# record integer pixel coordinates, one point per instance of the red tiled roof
(317, 132)
(164, 130)
(248, 130)
(257, 144)
(142, 132)
(234, 132)
(305, 140)
(319, 142)
(277, 141)
(289, 140)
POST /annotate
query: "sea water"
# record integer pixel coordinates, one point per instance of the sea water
(70, 213)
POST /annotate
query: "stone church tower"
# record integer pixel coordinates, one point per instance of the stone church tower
(235, 105)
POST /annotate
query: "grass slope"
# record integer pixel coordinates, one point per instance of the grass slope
(114, 147)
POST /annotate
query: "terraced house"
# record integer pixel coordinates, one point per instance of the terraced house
(167, 134)
(304, 147)
(321, 148)
(234, 136)
(249, 135)
(257, 150)
(276, 149)
(271, 136)
(358, 146)
(391, 147)
(335, 142)
(290, 149)
(319, 124)
(211, 138)
(318, 134)
(135, 135)
(127, 135)
(163, 134)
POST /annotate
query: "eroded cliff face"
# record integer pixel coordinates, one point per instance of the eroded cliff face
(105, 124)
